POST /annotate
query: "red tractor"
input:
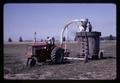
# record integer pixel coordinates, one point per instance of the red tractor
(42, 52)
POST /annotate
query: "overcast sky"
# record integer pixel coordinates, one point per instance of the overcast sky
(49, 19)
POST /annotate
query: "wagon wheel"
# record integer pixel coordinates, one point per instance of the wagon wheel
(101, 55)
(57, 55)
(31, 62)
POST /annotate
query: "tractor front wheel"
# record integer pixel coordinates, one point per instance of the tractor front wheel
(31, 62)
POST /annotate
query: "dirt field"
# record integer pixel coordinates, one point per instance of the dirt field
(15, 59)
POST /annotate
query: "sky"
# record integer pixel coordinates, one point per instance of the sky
(50, 18)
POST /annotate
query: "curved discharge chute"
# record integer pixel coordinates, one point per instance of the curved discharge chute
(66, 26)
(82, 26)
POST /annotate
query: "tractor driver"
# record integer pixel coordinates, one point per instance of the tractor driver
(50, 42)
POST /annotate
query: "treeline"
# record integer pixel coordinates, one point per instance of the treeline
(110, 37)
(21, 40)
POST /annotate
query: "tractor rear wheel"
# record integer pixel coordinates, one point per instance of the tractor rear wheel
(57, 55)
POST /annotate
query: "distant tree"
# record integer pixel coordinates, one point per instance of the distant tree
(47, 37)
(110, 37)
(41, 40)
(9, 39)
(101, 38)
(20, 39)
